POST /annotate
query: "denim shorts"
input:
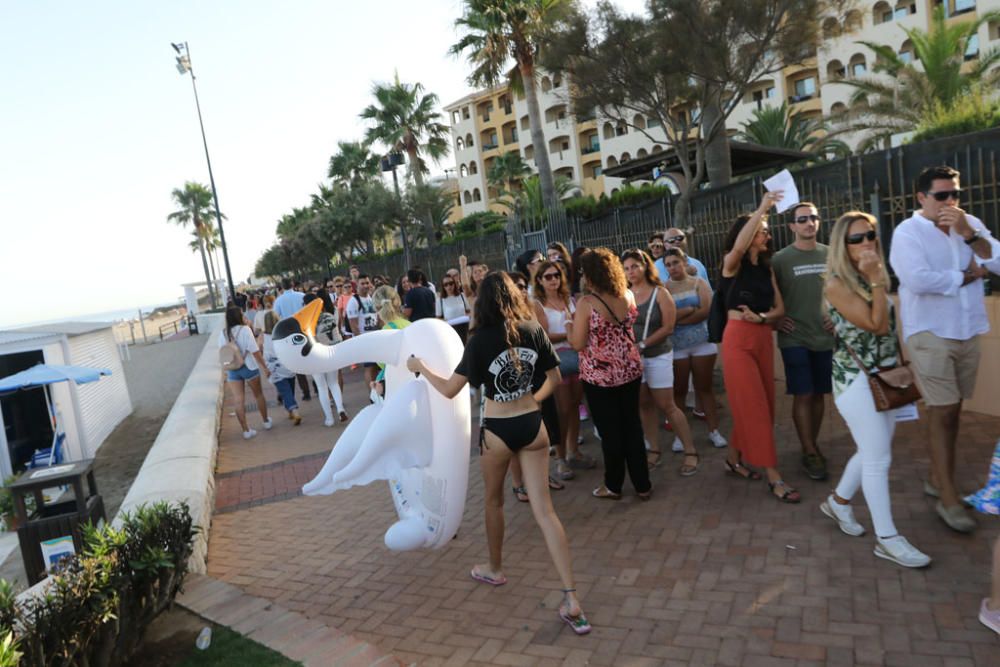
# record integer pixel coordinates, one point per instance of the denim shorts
(242, 373)
(807, 371)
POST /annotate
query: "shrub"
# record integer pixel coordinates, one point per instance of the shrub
(473, 222)
(976, 111)
(99, 604)
(586, 208)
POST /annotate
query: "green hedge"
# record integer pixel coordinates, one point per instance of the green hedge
(976, 111)
(99, 604)
(588, 207)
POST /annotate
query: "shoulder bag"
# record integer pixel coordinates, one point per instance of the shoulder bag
(891, 387)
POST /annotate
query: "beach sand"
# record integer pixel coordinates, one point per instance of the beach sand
(155, 376)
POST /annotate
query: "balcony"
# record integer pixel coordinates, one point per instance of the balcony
(587, 150)
(489, 147)
(795, 99)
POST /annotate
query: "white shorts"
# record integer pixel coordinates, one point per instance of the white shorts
(658, 372)
(699, 350)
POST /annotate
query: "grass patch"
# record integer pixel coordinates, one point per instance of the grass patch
(231, 649)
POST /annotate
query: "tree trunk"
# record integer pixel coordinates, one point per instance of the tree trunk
(208, 278)
(541, 151)
(213, 263)
(718, 160)
(418, 180)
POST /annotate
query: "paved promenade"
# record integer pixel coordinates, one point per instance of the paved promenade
(712, 571)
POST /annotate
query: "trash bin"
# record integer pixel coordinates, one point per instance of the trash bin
(53, 529)
(192, 323)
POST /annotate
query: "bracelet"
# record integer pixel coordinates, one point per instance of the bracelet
(874, 285)
(763, 318)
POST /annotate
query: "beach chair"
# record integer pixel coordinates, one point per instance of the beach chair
(50, 455)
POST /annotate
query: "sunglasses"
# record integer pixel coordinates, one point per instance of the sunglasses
(446, 283)
(854, 239)
(659, 245)
(521, 286)
(802, 219)
(945, 195)
(674, 239)
(552, 276)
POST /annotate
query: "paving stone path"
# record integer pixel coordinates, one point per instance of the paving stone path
(711, 571)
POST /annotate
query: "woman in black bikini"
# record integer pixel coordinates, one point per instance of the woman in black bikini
(509, 350)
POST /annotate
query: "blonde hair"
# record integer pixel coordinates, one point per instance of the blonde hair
(387, 304)
(838, 260)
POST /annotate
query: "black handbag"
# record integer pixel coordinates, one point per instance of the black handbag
(718, 316)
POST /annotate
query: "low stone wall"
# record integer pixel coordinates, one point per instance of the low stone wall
(180, 466)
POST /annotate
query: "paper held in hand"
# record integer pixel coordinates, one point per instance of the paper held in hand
(783, 181)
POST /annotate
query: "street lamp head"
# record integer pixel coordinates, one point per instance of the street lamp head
(183, 64)
(177, 47)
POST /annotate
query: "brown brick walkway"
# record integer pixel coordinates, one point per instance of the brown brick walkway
(711, 571)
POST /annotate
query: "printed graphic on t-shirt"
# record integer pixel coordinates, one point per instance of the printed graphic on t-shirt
(808, 269)
(509, 382)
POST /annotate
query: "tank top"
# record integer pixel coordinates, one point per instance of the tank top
(689, 335)
(655, 322)
(610, 358)
(751, 287)
(556, 320)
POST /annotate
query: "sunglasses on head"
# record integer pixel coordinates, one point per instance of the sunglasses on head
(945, 195)
(675, 239)
(802, 219)
(551, 276)
(854, 239)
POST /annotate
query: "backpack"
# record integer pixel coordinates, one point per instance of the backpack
(229, 354)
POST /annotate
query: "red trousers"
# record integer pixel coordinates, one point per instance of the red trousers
(748, 372)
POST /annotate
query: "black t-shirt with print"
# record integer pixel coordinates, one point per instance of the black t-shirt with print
(487, 361)
(422, 302)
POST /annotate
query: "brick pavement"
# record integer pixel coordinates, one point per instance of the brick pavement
(711, 571)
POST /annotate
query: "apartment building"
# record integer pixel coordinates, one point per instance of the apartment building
(489, 123)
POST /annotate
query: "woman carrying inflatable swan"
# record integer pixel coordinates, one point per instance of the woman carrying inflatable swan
(508, 354)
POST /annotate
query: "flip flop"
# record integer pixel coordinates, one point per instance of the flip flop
(579, 624)
(488, 580)
(555, 484)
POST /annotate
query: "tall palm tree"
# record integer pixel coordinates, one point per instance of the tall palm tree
(894, 103)
(506, 171)
(777, 127)
(531, 199)
(499, 31)
(210, 237)
(195, 208)
(353, 163)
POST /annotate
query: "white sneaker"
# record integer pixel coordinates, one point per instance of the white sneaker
(268, 424)
(249, 434)
(678, 446)
(327, 422)
(843, 515)
(596, 434)
(579, 439)
(718, 440)
(899, 551)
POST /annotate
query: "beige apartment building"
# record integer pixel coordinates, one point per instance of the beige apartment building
(488, 123)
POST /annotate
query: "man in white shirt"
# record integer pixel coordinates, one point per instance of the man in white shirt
(941, 255)
(362, 317)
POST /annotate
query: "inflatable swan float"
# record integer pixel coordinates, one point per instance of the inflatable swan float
(417, 439)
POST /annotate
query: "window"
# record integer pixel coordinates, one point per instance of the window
(595, 144)
(513, 135)
(758, 98)
(771, 93)
(858, 68)
(476, 196)
(467, 197)
(598, 171)
(962, 6)
(473, 169)
(459, 144)
(906, 57)
(608, 131)
(468, 140)
(463, 171)
(465, 113)
(972, 49)
(805, 88)
(653, 122)
(621, 130)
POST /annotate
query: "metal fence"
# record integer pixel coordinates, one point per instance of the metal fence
(882, 183)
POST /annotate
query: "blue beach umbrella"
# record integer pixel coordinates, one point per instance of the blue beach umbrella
(43, 375)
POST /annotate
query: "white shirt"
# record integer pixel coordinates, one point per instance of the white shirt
(289, 303)
(244, 340)
(930, 268)
(360, 308)
(452, 307)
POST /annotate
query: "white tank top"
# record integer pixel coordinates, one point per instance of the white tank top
(557, 324)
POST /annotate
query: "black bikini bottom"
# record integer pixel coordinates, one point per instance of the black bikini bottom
(516, 432)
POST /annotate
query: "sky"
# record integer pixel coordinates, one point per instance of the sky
(97, 127)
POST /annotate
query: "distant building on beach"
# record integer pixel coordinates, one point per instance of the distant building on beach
(87, 413)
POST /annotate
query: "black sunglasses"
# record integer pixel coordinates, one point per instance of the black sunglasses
(655, 245)
(802, 219)
(945, 195)
(551, 276)
(854, 239)
(674, 239)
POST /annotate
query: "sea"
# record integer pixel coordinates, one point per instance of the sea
(105, 316)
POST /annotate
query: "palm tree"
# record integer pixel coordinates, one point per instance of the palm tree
(531, 201)
(498, 31)
(895, 103)
(353, 163)
(777, 127)
(506, 171)
(195, 202)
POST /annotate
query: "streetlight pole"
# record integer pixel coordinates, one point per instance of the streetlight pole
(184, 67)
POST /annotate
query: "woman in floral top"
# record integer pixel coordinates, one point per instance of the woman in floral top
(864, 322)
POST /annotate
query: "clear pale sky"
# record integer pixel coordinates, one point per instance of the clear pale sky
(97, 127)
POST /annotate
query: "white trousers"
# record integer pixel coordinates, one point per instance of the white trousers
(869, 467)
(327, 385)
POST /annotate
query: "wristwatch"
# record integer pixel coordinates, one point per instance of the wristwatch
(972, 239)
(642, 346)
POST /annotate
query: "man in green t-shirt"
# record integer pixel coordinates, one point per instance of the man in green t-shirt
(804, 334)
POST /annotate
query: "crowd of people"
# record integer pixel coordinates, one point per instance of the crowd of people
(631, 341)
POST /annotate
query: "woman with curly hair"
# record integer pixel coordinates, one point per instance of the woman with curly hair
(611, 371)
(507, 355)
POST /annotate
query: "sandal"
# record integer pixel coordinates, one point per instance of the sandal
(790, 495)
(555, 484)
(645, 495)
(741, 470)
(486, 579)
(653, 458)
(688, 470)
(520, 493)
(563, 471)
(603, 492)
(578, 623)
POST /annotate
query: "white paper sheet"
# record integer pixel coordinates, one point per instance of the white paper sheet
(907, 413)
(783, 181)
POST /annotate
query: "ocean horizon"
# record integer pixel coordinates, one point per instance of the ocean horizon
(104, 316)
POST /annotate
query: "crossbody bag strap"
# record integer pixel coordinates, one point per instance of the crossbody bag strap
(649, 313)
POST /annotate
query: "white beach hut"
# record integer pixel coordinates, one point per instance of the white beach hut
(87, 413)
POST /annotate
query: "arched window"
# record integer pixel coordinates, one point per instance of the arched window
(546, 84)
(858, 65)
(853, 21)
(608, 131)
(476, 196)
(838, 109)
(459, 144)
(641, 153)
(625, 157)
(835, 70)
(621, 130)
(556, 80)
(831, 28)
(639, 122)
(657, 148)
(473, 169)
(467, 197)
(468, 140)
(612, 161)
(881, 13)
(463, 171)
(906, 53)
